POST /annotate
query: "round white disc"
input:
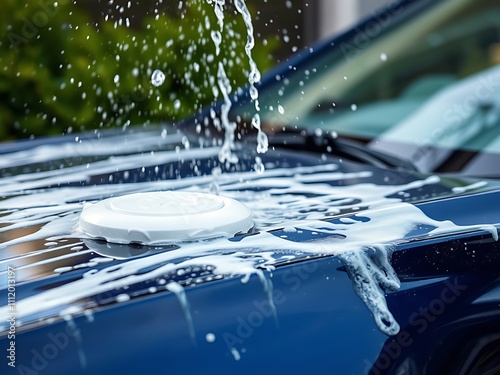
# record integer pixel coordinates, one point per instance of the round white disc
(165, 217)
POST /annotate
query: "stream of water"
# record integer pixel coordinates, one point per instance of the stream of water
(254, 76)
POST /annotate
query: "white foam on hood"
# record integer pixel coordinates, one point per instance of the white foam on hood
(299, 199)
(110, 145)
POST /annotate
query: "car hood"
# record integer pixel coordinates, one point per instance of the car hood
(305, 207)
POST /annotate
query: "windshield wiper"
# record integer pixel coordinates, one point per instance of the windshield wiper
(318, 141)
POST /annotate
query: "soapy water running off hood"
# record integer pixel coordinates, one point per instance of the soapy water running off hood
(289, 199)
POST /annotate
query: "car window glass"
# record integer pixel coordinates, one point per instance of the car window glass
(438, 68)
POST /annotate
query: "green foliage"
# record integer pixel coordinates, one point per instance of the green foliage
(62, 71)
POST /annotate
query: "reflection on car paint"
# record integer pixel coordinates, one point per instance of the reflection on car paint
(299, 197)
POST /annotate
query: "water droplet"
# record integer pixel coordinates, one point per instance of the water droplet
(383, 57)
(236, 354)
(210, 337)
(259, 166)
(354, 107)
(157, 78)
(122, 297)
(177, 104)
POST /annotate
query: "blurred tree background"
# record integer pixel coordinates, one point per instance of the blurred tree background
(69, 67)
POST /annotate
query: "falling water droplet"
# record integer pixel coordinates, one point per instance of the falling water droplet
(259, 166)
(254, 77)
(157, 78)
(210, 337)
(177, 104)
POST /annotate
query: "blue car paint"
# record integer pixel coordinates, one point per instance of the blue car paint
(446, 305)
(321, 324)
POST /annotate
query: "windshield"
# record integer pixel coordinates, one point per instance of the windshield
(423, 87)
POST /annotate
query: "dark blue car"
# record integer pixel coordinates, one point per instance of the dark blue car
(364, 241)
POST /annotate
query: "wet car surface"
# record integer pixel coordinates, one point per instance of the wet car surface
(98, 298)
(358, 262)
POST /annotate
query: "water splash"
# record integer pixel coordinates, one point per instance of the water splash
(178, 290)
(226, 154)
(158, 78)
(254, 76)
(77, 336)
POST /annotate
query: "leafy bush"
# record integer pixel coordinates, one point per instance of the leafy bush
(61, 71)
